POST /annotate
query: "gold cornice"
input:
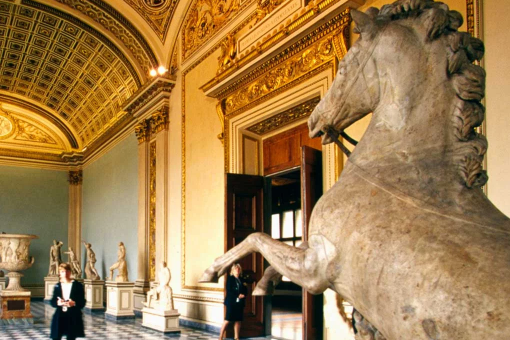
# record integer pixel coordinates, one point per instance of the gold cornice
(281, 76)
(284, 118)
(336, 27)
(75, 177)
(142, 131)
(339, 22)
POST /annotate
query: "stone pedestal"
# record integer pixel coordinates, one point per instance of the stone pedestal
(94, 296)
(3, 283)
(119, 300)
(49, 284)
(163, 321)
(139, 296)
(15, 305)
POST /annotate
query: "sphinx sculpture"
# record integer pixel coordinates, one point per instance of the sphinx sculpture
(121, 265)
(406, 234)
(90, 269)
(160, 297)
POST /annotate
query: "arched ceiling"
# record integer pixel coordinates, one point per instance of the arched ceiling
(73, 63)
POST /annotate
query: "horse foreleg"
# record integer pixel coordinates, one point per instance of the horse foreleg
(271, 278)
(305, 267)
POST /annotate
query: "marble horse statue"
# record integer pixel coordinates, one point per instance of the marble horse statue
(406, 234)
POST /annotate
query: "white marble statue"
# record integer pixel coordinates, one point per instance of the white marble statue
(75, 263)
(55, 258)
(161, 296)
(121, 265)
(90, 269)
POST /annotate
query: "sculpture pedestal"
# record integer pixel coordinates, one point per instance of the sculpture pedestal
(119, 300)
(15, 305)
(3, 283)
(49, 284)
(94, 296)
(163, 321)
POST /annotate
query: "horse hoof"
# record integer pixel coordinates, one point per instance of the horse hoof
(209, 276)
(263, 291)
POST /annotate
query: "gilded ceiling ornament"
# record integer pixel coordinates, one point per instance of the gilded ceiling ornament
(157, 13)
(7, 126)
(206, 18)
(31, 133)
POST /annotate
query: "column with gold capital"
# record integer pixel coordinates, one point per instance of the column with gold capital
(75, 179)
(142, 131)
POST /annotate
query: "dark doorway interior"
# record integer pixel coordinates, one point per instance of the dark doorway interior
(286, 226)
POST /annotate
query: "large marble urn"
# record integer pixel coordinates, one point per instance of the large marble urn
(14, 257)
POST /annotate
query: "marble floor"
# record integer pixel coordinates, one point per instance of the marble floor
(97, 328)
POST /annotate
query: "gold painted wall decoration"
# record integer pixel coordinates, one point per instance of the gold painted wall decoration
(75, 177)
(7, 126)
(152, 211)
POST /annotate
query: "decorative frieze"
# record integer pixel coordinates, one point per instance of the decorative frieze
(75, 177)
(286, 117)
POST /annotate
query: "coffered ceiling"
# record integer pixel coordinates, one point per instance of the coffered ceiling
(66, 68)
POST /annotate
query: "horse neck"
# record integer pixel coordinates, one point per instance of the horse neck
(408, 143)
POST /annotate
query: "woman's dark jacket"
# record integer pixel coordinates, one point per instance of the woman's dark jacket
(233, 291)
(73, 314)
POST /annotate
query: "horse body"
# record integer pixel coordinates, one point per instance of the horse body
(406, 234)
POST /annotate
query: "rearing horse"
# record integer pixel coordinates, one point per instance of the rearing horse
(406, 234)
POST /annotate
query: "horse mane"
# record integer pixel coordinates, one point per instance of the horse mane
(468, 80)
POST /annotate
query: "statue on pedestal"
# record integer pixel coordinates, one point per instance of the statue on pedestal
(121, 265)
(75, 264)
(90, 270)
(161, 297)
(55, 258)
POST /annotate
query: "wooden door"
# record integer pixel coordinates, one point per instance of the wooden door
(244, 215)
(311, 191)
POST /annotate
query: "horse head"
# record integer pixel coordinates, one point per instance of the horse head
(413, 70)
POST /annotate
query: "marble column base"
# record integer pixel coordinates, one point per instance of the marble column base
(49, 285)
(119, 300)
(94, 295)
(163, 321)
(15, 305)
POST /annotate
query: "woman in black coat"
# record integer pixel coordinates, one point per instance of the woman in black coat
(68, 298)
(234, 301)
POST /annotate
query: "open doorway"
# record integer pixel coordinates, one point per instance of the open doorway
(286, 226)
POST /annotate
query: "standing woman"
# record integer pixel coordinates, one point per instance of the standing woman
(235, 300)
(68, 298)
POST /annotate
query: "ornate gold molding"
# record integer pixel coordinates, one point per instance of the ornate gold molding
(75, 177)
(148, 92)
(228, 53)
(152, 212)
(142, 131)
(7, 126)
(291, 70)
(205, 18)
(284, 118)
(28, 132)
(336, 29)
(264, 7)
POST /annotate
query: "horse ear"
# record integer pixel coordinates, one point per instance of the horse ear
(364, 23)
